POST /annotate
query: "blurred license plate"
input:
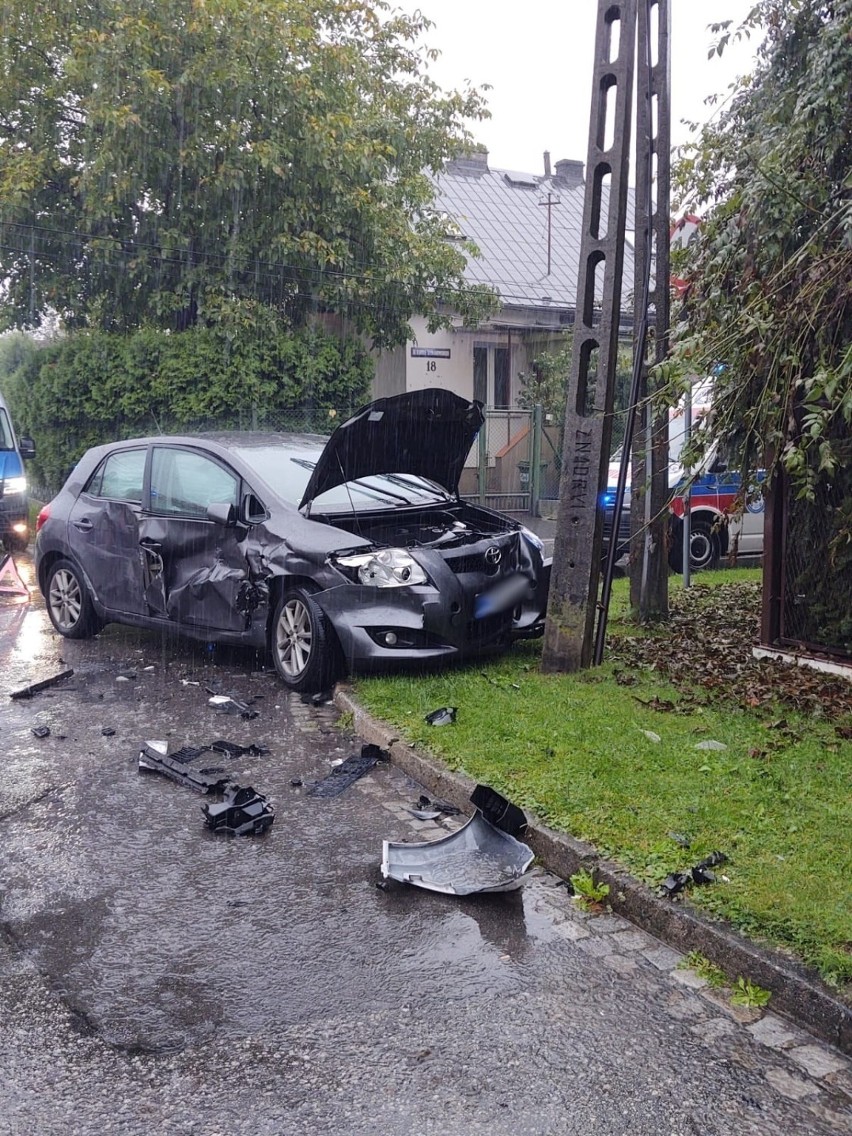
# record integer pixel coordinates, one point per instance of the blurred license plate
(506, 594)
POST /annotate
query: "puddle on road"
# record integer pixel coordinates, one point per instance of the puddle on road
(160, 932)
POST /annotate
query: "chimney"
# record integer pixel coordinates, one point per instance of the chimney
(547, 163)
(473, 161)
(569, 172)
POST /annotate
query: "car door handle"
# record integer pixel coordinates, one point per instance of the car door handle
(84, 524)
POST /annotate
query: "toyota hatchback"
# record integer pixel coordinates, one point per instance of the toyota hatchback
(354, 551)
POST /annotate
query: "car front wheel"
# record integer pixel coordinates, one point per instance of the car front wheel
(69, 604)
(303, 647)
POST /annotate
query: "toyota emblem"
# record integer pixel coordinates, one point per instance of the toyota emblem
(492, 556)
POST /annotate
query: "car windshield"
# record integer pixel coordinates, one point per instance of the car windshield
(287, 469)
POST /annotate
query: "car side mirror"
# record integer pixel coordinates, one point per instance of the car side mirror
(26, 447)
(222, 513)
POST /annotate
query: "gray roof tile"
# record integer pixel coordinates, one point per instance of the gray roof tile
(504, 213)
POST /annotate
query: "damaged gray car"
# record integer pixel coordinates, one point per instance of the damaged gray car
(354, 551)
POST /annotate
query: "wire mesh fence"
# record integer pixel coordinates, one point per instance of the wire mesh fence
(817, 566)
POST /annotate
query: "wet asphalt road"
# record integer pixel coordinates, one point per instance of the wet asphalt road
(158, 978)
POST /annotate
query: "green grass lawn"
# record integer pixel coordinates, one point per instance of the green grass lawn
(581, 752)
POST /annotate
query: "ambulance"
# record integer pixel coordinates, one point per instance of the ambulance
(720, 530)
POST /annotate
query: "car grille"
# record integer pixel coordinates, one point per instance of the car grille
(478, 562)
(489, 628)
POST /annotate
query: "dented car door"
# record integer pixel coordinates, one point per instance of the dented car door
(197, 574)
(103, 531)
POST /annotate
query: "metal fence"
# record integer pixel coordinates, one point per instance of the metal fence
(816, 567)
(513, 466)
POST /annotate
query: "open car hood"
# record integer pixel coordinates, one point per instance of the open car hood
(427, 433)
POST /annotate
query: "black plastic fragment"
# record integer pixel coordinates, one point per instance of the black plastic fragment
(35, 687)
(443, 716)
(188, 753)
(348, 771)
(41, 731)
(108, 731)
(234, 750)
(427, 809)
(318, 699)
(227, 704)
(500, 812)
(242, 812)
(699, 874)
(176, 767)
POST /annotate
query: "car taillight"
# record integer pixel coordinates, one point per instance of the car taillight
(42, 517)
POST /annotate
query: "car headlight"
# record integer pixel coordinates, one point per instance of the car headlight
(533, 538)
(386, 568)
(14, 485)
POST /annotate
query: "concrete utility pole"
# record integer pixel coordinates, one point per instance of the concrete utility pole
(573, 603)
(649, 514)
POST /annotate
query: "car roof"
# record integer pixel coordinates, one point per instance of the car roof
(228, 439)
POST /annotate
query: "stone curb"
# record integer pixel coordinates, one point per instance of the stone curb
(795, 991)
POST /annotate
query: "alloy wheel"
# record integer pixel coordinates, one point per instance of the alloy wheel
(293, 638)
(66, 599)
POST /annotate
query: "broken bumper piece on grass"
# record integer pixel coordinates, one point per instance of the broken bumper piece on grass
(242, 812)
(678, 881)
(480, 857)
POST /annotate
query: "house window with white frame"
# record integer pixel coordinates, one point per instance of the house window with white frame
(492, 380)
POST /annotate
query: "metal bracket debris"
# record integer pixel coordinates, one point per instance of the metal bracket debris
(35, 687)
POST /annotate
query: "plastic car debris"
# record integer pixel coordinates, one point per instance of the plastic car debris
(108, 731)
(225, 704)
(242, 812)
(479, 857)
(442, 717)
(500, 812)
(318, 699)
(348, 772)
(35, 687)
(41, 731)
(426, 809)
(700, 874)
(234, 750)
(154, 757)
